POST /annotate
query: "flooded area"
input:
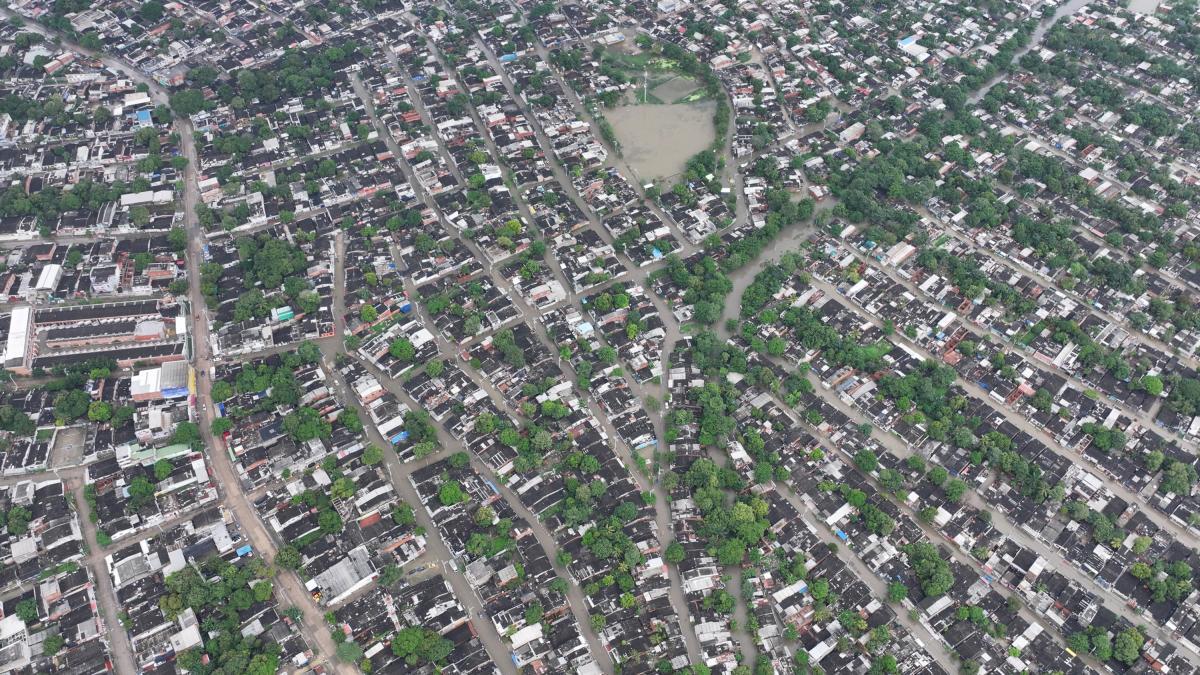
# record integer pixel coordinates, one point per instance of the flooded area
(789, 241)
(675, 89)
(1066, 9)
(1144, 6)
(657, 140)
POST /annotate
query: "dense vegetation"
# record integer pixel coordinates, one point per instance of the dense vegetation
(223, 595)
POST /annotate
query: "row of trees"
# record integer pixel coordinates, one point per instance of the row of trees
(418, 646)
(297, 73)
(1165, 582)
(1097, 641)
(52, 201)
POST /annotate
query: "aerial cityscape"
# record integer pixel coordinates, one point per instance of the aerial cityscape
(594, 337)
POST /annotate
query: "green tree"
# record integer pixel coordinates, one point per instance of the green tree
(1152, 384)
(177, 239)
(731, 552)
(402, 349)
(1102, 646)
(288, 558)
(309, 352)
(221, 391)
(533, 613)
(186, 433)
(451, 493)
(99, 411)
(349, 652)
(305, 424)
(27, 611)
(1128, 646)
(263, 591)
(329, 521)
(484, 516)
(187, 101)
(151, 11)
(349, 418)
(389, 575)
(17, 520)
(1178, 478)
(955, 489)
(932, 571)
(1079, 643)
(866, 460)
(140, 216)
(674, 553)
(71, 405)
(1154, 460)
(938, 475)
(162, 469)
(1141, 570)
(141, 493)
(121, 415)
(221, 426)
(418, 645)
(776, 346)
(343, 488)
(404, 515)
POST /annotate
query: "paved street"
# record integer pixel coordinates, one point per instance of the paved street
(768, 121)
(400, 473)
(900, 448)
(931, 533)
(1037, 275)
(288, 587)
(930, 641)
(118, 640)
(634, 275)
(1143, 417)
(1018, 420)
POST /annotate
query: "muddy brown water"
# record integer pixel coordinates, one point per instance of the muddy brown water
(657, 140)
